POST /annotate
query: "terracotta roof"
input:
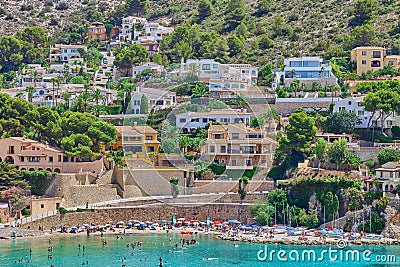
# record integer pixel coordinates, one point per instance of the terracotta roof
(135, 130)
(368, 47)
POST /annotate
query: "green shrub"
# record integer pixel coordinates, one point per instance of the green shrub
(217, 169)
(26, 212)
(396, 132)
(80, 210)
(62, 210)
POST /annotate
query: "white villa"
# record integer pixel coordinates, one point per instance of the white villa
(193, 120)
(308, 70)
(353, 104)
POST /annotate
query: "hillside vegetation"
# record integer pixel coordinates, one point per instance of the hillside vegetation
(254, 31)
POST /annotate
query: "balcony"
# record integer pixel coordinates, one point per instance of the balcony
(240, 167)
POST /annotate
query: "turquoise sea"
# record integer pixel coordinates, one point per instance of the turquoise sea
(66, 252)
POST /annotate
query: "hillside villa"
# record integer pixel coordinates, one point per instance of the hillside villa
(238, 147)
(27, 154)
(373, 58)
(193, 120)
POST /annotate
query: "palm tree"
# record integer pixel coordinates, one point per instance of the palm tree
(193, 70)
(200, 91)
(66, 97)
(97, 96)
(296, 85)
(109, 76)
(239, 101)
(54, 81)
(184, 142)
(30, 90)
(35, 76)
(82, 102)
(58, 80)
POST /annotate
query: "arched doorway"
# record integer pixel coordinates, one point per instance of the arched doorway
(1, 160)
(23, 169)
(31, 169)
(40, 169)
(9, 160)
(48, 169)
(57, 170)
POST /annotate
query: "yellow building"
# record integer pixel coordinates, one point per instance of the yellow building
(372, 58)
(238, 147)
(136, 139)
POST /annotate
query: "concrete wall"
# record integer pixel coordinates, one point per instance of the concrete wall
(154, 213)
(42, 205)
(367, 153)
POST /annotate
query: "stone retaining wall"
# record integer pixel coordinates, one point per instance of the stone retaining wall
(153, 213)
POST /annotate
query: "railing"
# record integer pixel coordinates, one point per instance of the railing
(33, 218)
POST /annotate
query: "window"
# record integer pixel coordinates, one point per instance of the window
(182, 120)
(65, 159)
(149, 137)
(254, 136)
(195, 120)
(42, 206)
(212, 149)
(310, 64)
(11, 150)
(22, 159)
(50, 159)
(248, 162)
(360, 113)
(215, 66)
(233, 162)
(223, 149)
(206, 67)
(376, 54)
(349, 103)
(34, 159)
(224, 119)
(391, 63)
(375, 64)
(59, 158)
(342, 108)
(205, 120)
(218, 136)
(364, 62)
(235, 136)
(150, 149)
(363, 53)
(295, 64)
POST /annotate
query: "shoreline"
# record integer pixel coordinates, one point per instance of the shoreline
(108, 233)
(283, 239)
(278, 239)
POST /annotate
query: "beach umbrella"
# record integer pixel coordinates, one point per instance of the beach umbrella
(181, 219)
(136, 224)
(149, 222)
(233, 221)
(85, 225)
(163, 221)
(74, 228)
(120, 223)
(129, 224)
(155, 224)
(143, 225)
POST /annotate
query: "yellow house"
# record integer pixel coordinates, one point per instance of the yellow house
(372, 58)
(136, 139)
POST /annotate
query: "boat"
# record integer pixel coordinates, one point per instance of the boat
(373, 237)
(334, 233)
(210, 259)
